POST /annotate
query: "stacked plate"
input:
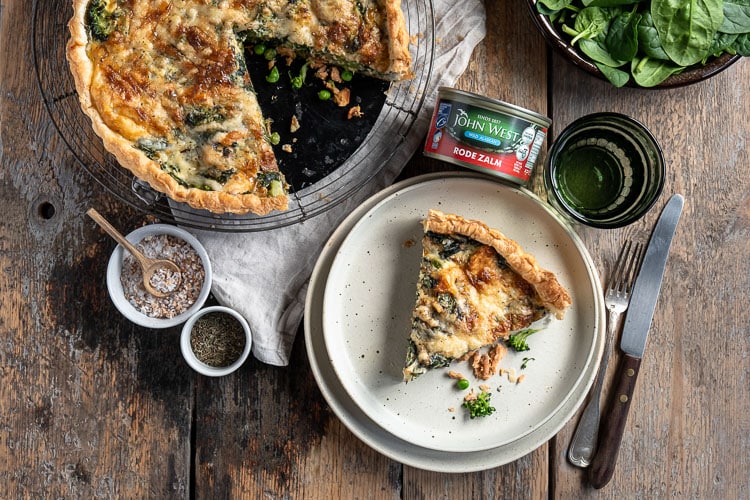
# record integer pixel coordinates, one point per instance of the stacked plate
(357, 321)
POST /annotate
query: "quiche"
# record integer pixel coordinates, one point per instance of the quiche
(476, 286)
(166, 86)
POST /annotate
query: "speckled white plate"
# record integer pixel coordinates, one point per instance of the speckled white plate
(367, 305)
(361, 425)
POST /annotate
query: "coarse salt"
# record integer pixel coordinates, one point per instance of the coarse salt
(185, 286)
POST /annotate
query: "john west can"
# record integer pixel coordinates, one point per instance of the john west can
(486, 134)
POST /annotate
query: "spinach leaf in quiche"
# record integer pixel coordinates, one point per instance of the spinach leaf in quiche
(201, 115)
(100, 21)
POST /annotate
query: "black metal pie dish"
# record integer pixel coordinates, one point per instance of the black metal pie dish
(332, 158)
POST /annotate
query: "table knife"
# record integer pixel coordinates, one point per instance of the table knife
(633, 341)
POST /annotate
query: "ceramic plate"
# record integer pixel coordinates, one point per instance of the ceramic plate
(372, 434)
(367, 305)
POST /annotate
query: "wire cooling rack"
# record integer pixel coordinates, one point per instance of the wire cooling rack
(320, 178)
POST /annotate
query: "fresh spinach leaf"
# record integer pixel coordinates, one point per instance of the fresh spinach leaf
(588, 24)
(741, 46)
(553, 5)
(595, 47)
(651, 72)
(622, 36)
(648, 38)
(616, 77)
(609, 3)
(720, 44)
(736, 17)
(597, 51)
(686, 29)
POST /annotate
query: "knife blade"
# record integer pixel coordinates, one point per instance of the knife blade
(633, 341)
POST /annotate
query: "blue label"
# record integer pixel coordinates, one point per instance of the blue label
(482, 138)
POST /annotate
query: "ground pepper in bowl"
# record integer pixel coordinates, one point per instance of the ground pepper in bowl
(217, 339)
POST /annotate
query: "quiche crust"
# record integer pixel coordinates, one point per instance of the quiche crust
(554, 296)
(140, 112)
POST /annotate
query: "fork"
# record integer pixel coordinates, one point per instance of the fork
(616, 299)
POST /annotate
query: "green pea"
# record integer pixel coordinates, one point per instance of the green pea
(462, 384)
(324, 95)
(347, 75)
(273, 76)
(275, 138)
(269, 54)
(259, 49)
(275, 188)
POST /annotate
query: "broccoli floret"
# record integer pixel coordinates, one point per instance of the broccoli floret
(518, 340)
(101, 23)
(479, 407)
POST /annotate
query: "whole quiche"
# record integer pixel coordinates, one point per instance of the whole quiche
(166, 86)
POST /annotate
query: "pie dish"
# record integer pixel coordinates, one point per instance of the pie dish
(167, 89)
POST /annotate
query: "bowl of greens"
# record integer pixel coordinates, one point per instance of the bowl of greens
(647, 43)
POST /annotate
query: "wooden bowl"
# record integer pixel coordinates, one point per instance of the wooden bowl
(560, 43)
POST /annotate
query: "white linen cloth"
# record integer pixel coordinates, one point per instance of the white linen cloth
(264, 275)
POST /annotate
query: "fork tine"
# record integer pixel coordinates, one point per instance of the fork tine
(635, 265)
(616, 278)
(626, 267)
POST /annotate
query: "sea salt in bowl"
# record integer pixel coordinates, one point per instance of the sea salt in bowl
(227, 324)
(163, 241)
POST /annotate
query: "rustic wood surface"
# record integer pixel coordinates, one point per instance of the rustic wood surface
(92, 406)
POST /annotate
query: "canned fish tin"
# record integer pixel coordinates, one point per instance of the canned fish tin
(486, 134)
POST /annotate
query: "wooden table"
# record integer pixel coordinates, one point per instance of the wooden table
(93, 406)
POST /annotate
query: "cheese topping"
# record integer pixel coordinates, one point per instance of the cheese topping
(468, 297)
(476, 300)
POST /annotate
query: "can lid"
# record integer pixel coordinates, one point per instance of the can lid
(494, 104)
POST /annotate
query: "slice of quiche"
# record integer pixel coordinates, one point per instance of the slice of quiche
(166, 86)
(475, 287)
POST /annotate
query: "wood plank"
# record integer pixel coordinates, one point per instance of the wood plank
(90, 405)
(267, 430)
(691, 396)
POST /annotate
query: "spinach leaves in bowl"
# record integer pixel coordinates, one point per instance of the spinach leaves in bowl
(648, 42)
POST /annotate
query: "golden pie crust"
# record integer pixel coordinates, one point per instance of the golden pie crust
(172, 60)
(554, 296)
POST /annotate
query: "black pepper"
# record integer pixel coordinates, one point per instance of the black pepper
(217, 339)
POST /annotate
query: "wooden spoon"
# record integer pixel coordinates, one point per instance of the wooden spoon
(149, 266)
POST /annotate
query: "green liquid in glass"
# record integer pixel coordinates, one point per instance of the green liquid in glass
(604, 171)
(589, 177)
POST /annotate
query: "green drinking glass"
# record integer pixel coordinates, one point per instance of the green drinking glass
(605, 170)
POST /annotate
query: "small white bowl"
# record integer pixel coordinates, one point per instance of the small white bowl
(114, 270)
(198, 365)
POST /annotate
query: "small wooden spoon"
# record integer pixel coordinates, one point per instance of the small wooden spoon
(149, 266)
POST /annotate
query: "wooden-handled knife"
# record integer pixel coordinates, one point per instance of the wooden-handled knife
(633, 341)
